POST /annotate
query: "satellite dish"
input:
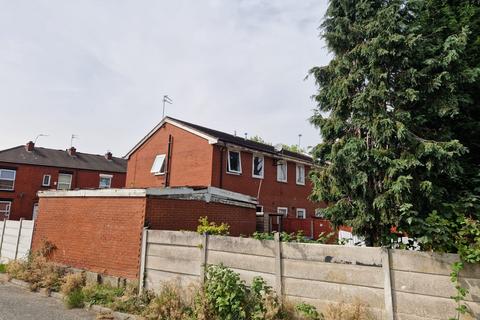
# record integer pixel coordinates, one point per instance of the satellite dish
(278, 147)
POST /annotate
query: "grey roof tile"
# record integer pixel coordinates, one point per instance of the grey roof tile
(60, 158)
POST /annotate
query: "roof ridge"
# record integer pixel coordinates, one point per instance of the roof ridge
(198, 127)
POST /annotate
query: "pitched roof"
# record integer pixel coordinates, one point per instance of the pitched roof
(61, 158)
(214, 136)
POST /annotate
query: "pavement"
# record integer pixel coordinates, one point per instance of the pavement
(19, 304)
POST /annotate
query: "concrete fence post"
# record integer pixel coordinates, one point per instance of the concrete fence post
(278, 265)
(143, 260)
(18, 237)
(387, 284)
(203, 257)
(4, 222)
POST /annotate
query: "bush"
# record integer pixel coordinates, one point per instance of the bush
(307, 311)
(226, 293)
(75, 299)
(3, 268)
(212, 228)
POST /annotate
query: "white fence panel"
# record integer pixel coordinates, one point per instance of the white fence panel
(15, 239)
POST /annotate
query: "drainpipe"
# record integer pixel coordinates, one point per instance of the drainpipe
(222, 149)
(169, 156)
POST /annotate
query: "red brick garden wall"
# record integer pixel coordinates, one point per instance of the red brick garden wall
(101, 235)
(174, 214)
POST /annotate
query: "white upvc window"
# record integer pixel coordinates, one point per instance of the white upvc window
(320, 212)
(282, 171)
(283, 210)
(301, 213)
(258, 166)
(158, 167)
(64, 181)
(105, 181)
(300, 174)
(234, 162)
(7, 179)
(46, 180)
(5, 207)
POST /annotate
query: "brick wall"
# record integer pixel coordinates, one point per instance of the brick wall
(28, 182)
(170, 214)
(98, 234)
(190, 165)
(271, 193)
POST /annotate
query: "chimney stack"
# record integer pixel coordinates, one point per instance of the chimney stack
(30, 146)
(108, 155)
(72, 151)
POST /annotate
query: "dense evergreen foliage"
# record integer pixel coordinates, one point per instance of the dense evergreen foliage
(399, 114)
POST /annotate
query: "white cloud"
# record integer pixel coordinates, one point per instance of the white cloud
(99, 69)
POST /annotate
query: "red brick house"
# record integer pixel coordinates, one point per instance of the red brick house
(177, 153)
(25, 170)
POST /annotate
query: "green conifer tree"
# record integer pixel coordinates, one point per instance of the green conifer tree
(398, 111)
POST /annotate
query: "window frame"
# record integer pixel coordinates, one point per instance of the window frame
(229, 170)
(64, 174)
(7, 213)
(49, 180)
(319, 213)
(279, 164)
(253, 166)
(285, 214)
(13, 180)
(104, 175)
(301, 210)
(299, 165)
(163, 165)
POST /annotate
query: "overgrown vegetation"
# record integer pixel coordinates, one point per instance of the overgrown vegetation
(298, 236)
(37, 271)
(3, 268)
(212, 228)
(224, 296)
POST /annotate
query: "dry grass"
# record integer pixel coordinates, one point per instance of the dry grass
(344, 311)
(37, 271)
(169, 303)
(72, 282)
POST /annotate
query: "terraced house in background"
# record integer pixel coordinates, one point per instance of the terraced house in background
(25, 170)
(177, 153)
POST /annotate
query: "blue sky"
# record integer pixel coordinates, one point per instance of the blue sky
(99, 69)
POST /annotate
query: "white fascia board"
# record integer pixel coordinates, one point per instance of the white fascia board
(271, 155)
(93, 193)
(210, 139)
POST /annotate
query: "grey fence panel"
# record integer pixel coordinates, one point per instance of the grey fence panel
(393, 284)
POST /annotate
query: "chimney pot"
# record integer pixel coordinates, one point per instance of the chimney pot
(30, 146)
(108, 155)
(72, 151)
